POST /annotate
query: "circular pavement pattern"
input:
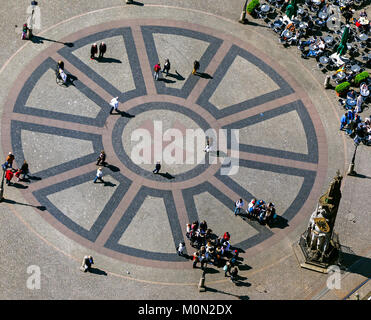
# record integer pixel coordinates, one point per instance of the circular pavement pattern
(140, 217)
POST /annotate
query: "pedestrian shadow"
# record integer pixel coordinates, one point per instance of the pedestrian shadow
(166, 80)
(256, 24)
(113, 168)
(187, 256)
(176, 76)
(33, 178)
(38, 39)
(126, 115)
(211, 270)
(204, 75)
(167, 175)
(358, 175)
(109, 184)
(108, 60)
(41, 208)
(123, 114)
(98, 271)
(244, 267)
(136, 3)
(226, 293)
(18, 185)
(279, 222)
(240, 283)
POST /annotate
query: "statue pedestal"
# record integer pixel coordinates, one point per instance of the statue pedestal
(307, 258)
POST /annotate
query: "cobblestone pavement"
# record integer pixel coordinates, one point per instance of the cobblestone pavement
(290, 148)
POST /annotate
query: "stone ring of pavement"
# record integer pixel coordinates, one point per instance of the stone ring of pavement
(136, 216)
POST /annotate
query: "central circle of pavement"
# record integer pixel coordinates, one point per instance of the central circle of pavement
(135, 216)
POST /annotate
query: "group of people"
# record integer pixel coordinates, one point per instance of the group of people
(258, 209)
(94, 50)
(351, 121)
(166, 68)
(20, 173)
(211, 249)
(357, 129)
(316, 47)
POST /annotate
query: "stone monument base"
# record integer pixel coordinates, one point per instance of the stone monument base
(307, 258)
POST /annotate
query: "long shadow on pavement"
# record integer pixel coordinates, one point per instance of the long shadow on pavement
(167, 175)
(226, 293)
(176, 76)
(356, 264)
(42, 208)
(38, 39)
(108, 60)
(113, 168)
(98, 271)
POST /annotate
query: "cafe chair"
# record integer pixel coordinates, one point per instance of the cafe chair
(341, 103)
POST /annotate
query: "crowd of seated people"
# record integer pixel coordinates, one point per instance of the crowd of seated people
(351, 122)
(210, 248)
(316, 47)
(258, 209)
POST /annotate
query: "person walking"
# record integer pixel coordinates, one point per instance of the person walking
(166, 68)
(93, 51)
(24, 169)
(227, 269)
(87, 261)
(8, 176)
(8, 161)
(156, 69)
(157, 168)
(99, 175)
(101, 159)
(195, 259)
(114, 104)
(60, 65)
(102, 49)
(196, 66)
(234, 274)
(181, 248)
(238, 206)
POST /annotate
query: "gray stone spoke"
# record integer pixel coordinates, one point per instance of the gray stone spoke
(138, 234)
(254, 147)
(64, 201)
(280, 87)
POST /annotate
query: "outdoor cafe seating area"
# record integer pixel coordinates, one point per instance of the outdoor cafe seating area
(317, 28)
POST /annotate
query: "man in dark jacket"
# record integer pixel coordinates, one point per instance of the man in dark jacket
(102, 49)
(157, 168)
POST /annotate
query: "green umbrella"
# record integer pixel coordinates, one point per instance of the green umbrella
(342, 46)
(291, 9)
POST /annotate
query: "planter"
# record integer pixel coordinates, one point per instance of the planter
(250, 9)
(361, 78)
(342, 88)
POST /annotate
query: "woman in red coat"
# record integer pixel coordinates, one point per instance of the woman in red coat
(8, 176)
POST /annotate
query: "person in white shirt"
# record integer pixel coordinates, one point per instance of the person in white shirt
(238, 205)
(207, 148)
(99, 175)
(114, 104)
(63, 75)
(181, 248)
(358, 108)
